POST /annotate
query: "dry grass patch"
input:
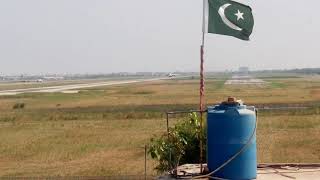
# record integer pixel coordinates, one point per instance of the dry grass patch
(75, 147)
(289, 139)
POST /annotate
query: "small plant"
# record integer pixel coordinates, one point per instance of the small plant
(18, 106)
(180, 146)
(144, 92)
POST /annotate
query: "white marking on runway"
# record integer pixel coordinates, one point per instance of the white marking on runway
(75, 86)
(247, 80)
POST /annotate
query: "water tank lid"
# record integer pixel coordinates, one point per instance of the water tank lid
(231, 102)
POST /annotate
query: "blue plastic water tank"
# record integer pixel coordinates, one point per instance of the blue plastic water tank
(229, 128)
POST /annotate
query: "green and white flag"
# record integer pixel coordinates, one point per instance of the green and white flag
(230, 18)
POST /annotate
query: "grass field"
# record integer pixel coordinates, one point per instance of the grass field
(102, 131)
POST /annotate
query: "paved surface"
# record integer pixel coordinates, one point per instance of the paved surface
(67, 88)
(264, 171)
(287, 173)
(238, 79)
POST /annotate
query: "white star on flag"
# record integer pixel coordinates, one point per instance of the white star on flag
(239, 15)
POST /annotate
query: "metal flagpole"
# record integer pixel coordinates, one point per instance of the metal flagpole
(202, 83)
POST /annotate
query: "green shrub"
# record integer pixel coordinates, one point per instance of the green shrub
(181, 146)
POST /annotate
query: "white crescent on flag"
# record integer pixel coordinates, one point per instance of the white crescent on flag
(225, 19)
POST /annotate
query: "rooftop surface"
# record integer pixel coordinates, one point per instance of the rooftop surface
(289, 171)
(266, 171)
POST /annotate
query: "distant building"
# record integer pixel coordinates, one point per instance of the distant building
(243, 70)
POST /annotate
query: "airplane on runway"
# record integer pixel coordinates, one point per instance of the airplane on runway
(172, 75)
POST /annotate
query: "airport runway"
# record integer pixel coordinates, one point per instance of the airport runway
(67, 88)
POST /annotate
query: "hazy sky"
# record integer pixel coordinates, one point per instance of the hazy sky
(103, 36)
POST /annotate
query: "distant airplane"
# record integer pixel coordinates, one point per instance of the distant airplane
(172, 75)
(39, 80)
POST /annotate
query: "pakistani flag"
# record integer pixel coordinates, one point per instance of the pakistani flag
(230, 18)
